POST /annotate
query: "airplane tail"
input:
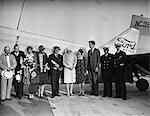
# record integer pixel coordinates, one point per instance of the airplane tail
(128, 40)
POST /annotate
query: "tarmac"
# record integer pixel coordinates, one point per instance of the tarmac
(137, 104)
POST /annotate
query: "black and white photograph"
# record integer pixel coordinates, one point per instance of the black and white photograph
(74, 57)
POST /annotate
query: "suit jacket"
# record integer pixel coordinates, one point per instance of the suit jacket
(93, 59)
(58, 60)
(3, 62)
(21, 54)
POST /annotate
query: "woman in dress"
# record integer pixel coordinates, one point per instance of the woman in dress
(42, 67)
(81, 71)
(69, 62)
(30, 74)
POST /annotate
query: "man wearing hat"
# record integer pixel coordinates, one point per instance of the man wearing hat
(7, 63)
(55, 62)
(107, 71)
(119, 70)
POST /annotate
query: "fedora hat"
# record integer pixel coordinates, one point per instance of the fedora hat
(55, 47)
(7, 74)
(41, 47)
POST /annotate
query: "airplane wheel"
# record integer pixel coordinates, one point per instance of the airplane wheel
(142, 84)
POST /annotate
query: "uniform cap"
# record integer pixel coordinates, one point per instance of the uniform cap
(105, 48)
(117, 45)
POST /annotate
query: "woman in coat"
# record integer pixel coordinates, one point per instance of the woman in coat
(69, 62)
(42, 67)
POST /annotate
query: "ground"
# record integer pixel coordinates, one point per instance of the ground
(137, 104)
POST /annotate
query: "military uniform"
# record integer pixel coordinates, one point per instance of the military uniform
(107, 72)
(119, 73)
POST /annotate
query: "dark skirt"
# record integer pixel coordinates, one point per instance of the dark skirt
(33, 88)
(43, 77)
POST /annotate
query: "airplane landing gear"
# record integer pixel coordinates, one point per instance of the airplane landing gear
(142, 84)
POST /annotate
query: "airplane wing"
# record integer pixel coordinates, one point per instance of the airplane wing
(10, 36)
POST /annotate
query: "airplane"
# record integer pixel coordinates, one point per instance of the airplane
(137, 62)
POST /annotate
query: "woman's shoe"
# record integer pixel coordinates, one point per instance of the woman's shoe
(42, 95)
(83, 94)
(32, 95)
(39, 95)
(80, 94)
(68, 94)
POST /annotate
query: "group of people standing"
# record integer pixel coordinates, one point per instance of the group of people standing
(35, 69)
(114, 65)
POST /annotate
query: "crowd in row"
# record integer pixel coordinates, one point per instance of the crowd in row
(31, 68)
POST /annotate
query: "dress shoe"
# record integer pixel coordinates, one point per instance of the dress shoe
(124, 98)
(58, 95)
(2, 100)
(117, 97)
(52, 96)
(92, 93)
(104, 96)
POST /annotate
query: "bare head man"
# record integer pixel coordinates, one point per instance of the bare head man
(7, 50)
(16, 48)
(91, 44)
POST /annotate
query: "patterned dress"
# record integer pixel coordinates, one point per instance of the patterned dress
(80, 71)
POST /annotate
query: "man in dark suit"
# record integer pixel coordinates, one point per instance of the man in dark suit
(93, 67)
(107, 71)
(55, 63)
(119, 72)
(18, 83)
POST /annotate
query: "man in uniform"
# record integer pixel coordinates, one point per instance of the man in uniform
(119, 72)
(107, 72)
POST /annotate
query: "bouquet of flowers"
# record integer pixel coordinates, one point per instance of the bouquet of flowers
(29, 62)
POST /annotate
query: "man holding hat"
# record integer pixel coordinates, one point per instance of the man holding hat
(7, 63)
(107, 71)
(119, 69)
(55, 62)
